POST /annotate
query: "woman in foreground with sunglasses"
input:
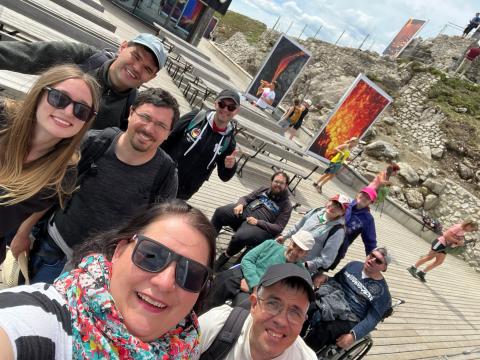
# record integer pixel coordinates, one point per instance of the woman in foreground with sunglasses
(130, 296)
(39, 140)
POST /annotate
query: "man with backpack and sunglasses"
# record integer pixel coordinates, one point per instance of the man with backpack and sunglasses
(203, 140)
(119, 174)
(119, 75)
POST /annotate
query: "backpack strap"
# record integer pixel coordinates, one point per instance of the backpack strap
(331, 232)
(132, 96)
(227, 336)
(197, 119)
(97, 60)
(95, 150)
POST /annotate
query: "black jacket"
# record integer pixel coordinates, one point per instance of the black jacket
(194, 146)
(33, 58)
(272, 221)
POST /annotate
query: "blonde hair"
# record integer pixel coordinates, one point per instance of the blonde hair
(20, 181)
(470, 222)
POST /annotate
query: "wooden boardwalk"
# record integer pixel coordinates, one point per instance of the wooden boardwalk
(440, 317)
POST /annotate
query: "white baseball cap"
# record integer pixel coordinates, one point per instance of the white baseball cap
(304, 240)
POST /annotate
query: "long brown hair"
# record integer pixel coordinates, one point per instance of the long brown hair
(20, 181)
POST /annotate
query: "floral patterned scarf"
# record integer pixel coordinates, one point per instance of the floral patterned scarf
(98, 328)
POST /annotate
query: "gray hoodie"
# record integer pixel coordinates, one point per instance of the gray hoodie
(323, 252)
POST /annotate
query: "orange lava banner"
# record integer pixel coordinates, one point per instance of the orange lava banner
(403, 38)
(356, 111)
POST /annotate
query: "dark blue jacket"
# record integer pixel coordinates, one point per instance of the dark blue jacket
(358, 222)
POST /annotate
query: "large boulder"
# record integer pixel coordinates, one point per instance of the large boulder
(408, 173)
(465, 172)
(437, 187)
(381, 150)
(437, 153)
(414, 198)
(431, 201)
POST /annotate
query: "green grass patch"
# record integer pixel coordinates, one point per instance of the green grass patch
(452, 93)
(234, 22)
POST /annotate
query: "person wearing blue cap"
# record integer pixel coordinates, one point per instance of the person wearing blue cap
(119, 73)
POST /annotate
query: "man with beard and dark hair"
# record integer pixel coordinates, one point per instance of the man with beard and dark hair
(119, 174)
(256, 217)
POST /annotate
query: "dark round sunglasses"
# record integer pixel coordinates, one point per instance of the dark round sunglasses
(231, 107)
(60, 100)
(151, 256)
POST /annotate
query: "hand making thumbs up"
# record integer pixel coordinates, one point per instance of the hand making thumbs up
(230, 159)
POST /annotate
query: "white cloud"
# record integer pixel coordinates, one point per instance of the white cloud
(382, 19)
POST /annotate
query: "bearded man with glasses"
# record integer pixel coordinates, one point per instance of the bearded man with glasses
(272, 327)
(202, 141)
(349, 305)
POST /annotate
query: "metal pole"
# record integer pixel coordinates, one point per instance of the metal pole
(366, 37)
(314, 36)
(336, 42)
(170, 14)
(286, 32)
(299, 36)
(276, 23)
(443, 29)
(371, 45)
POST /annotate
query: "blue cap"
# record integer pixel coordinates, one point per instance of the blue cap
(155, 45)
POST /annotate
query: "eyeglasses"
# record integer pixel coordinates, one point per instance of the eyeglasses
(274, 307)
(60, 100)
(231, 107)
(146, 119)
(377, 259)
(153, 257)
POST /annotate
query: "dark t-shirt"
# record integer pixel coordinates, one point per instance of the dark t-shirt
(116, 192)
(12, 216)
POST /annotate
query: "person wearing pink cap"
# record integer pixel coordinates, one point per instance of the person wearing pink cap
(359, 221)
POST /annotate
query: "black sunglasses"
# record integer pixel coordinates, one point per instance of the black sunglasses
(377, 259)
(230, 107)
(60, 100)
(151, 256)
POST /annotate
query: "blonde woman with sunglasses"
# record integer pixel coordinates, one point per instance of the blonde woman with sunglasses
(39, 140)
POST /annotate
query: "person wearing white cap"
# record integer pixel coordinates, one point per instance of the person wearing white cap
(245, 277)
(327, 226)
(119, 73)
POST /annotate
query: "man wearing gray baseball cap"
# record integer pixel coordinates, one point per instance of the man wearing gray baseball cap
(119, 72)
(271, 329)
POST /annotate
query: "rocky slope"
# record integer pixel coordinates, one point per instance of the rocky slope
(431, 129)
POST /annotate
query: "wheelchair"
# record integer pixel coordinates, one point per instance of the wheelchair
(358, 349)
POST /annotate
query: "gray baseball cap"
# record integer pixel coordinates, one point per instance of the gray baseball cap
(155, 45)
(229, 94)
(278, 272)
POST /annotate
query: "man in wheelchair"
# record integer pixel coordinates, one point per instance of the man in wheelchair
(349, 305)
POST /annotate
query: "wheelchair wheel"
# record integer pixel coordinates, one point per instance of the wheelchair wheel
(358, 350)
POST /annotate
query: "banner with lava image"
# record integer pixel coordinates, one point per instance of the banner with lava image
(283, 65)
(356, 111)
(404, 36)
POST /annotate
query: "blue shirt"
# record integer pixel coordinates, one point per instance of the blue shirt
(368, 298)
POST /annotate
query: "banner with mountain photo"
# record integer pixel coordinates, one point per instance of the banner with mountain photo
(283, 65)
(404, 36)
(356, 111)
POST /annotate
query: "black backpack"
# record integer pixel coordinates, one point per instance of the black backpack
(87, 166)
(227, 336)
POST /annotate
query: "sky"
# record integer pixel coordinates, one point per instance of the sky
(379, 19)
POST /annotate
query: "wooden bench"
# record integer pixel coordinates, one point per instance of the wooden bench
(248, 155)
(27, 29)
(57, 18)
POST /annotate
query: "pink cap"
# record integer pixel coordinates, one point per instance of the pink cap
(371, 192)
(342, 199)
